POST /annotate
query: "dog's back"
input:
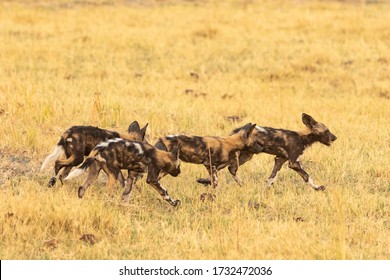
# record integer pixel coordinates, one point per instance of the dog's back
(193, 149)
(86, 136)
(280, 142)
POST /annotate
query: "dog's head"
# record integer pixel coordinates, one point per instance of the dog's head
(318, 130)
(174, 166)
(135, 132)
(249, 138)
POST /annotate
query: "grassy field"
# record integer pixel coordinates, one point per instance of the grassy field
(188, 67)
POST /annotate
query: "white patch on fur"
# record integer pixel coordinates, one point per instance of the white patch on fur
(108, 142)
(311, 183)
(99, 158)
(261, 129)
(102, 144)
(270, 181)
(57, 152)
(70, 139)
(115, 140)
(75, 173)
(171, 136)
(126, 198)
(139, 148)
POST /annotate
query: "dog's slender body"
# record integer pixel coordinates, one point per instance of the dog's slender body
(78, 141)
(213, 152)
(288, 145)
(137, 157)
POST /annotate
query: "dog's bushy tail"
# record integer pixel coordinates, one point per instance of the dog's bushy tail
(81, 169)
(57, 152)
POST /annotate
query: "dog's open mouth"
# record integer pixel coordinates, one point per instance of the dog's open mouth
(327, 143)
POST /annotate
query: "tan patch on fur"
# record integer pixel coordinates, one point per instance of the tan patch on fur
(319, 127)
(132, 136)
(304, 131)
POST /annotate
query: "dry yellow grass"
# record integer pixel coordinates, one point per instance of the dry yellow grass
(108, 63)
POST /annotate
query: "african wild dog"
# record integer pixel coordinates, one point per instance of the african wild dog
(137, 157)
(288, 145)
(213, 152)
(78, 141)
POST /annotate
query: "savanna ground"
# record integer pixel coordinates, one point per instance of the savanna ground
(201, 68)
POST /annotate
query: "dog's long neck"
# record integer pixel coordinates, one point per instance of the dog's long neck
(308, 137)
(235, 142)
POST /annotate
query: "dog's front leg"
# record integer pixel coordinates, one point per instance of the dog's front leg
(296, 166)
(152, 179)
(111, 182)
(233, 170)
(213, 175)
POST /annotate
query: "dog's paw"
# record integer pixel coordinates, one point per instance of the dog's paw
(270, 182)
(204, 181)
(81, 192)
(176, 203)
(126, 198)
(52, 182)
(320, 188)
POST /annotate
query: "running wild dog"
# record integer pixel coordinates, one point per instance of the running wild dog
(78, 141)
(288, 145)
(213, 152)
(137, 157)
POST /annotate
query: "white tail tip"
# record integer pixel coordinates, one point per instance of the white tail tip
(75, 173)
(57, 152)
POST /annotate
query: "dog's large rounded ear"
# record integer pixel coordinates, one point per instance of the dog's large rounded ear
(248, 128)
(176, 151)
(134, 127)
(160, 146)
(143, 131)
(308, 120)
(251, 129)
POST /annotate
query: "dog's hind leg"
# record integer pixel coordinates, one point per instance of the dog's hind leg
(241, 158)
(213, 175)
(121, 179)
(65, 173)
(52, 180)
(132, 177)
(93, 173)
(296, 166)
(279, 161)
(67, 164)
